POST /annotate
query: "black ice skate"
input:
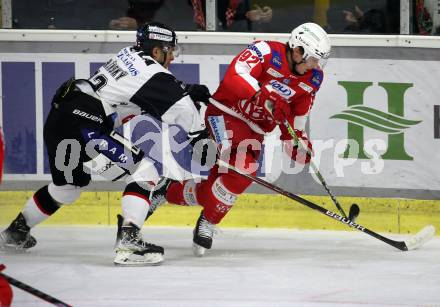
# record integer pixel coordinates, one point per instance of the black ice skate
(157, 196)
(203, 234)
(17, 236)
(131, 250)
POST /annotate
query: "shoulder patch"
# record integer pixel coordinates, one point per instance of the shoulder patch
(276, 59)
(305, 87)
(316, 78)
(274, 73)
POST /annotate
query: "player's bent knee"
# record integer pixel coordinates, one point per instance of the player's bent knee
(64, 194)
(138, 189)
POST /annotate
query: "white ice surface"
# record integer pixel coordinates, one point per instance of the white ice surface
(252, 267)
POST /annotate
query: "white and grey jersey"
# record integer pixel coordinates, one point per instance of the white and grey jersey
(132, 83)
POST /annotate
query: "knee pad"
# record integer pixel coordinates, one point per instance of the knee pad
(64, 194)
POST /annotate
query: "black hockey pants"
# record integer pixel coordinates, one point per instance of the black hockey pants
(72, 111)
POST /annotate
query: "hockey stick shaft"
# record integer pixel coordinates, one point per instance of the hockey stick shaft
(397, 244)
(269, 107)
(315, 168)
(35, 292)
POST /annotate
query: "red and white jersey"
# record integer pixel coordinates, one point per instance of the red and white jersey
(261, 63)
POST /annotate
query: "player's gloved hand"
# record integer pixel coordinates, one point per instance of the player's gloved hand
(198, 92)
(275, 105)
(296, 151)
(199, 149)
(200, 135)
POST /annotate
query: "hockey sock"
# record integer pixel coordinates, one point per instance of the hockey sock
(218, 193)
(182, 193)
(135, 204)
(39, 207)
(216, 199)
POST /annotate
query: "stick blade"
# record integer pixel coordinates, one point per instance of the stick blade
(421, 237)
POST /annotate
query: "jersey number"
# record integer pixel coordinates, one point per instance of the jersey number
(98, 82)
(249, 58)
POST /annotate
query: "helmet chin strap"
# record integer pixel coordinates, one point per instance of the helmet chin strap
(294, 63)
(165, 55)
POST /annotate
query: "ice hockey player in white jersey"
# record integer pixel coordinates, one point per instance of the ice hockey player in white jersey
(80, 128)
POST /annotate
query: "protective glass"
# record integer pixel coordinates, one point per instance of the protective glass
(175, 49)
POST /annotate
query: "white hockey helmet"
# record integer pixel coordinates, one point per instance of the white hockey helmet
(313, 39)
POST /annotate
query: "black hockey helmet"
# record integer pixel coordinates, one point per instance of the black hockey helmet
(156, 34)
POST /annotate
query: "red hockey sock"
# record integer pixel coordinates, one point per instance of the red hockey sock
(218, 193)
(183, 194)
(216, 199)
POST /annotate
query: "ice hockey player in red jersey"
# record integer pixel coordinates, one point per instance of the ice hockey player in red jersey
(288, 75)
(5, 287)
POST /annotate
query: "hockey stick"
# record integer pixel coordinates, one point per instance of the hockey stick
(34, 291)
(354, 208)
(413, 243)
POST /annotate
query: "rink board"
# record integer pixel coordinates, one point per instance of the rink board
(250, 211)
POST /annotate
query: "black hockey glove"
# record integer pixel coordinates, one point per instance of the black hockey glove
(198, 92)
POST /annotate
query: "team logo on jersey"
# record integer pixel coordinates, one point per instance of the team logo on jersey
(305, 87)
(128, 60)
(316, 77)
(274, 73)
(255, 112)
(257, 51)
(276, 60)
(282, 89)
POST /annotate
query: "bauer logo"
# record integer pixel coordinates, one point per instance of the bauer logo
(88, 116)
(345, 220)
(393, 122)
